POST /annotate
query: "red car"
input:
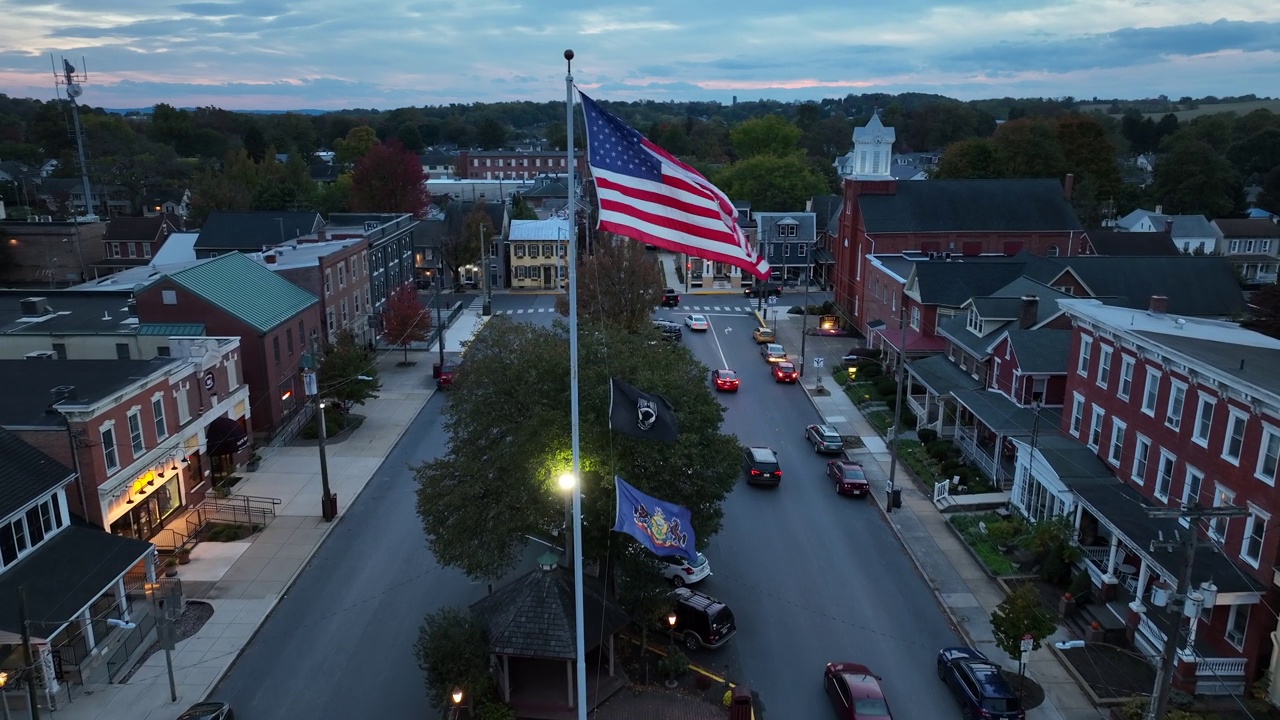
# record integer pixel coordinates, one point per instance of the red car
(785, 372)
(848, 477)
(855, 692)
(446, 375)
(726, 380)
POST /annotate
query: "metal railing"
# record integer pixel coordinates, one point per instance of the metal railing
(237, 509)
(1219, 667)
(133, 639)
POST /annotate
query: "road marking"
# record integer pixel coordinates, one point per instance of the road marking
(712, 331)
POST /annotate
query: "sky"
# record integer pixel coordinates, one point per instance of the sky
(334, 54)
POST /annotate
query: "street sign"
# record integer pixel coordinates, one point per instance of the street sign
(817, 362)
(773, 300)
(309, 383)
(888, 486)
(1026, 644)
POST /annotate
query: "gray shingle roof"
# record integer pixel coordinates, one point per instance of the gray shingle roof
(1041, 351)
(1132, 243)
(768, 222)
(827, 209)
(1254, 365)
(26, 473)
(533, 616)
(957, 330)
(1004, 416)
(244, 289)
(952, 283)
(942, 376)
(1201, 286)
(970, 206)
(1247, 228)
(252, 231)
(27, 385)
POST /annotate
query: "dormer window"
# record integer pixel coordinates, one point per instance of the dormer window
(974, 322)
(788, 229)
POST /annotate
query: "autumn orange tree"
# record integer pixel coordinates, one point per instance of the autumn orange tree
(405, 321)
(389, 179)
(620, 283)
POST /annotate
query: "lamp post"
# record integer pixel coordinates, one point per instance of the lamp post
(567, 482)
(4, 680)
(804, 323)
(456, 696)
(891, 488)
(439, 319)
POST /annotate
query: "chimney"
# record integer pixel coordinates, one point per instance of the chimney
(1030, 312)
(1159, 305)
(269, 258)
(1159, 209)
(1068, 185)
(321, 235)
(1168, 226)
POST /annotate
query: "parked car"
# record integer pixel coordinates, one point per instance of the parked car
(824, 438)
(773, 352)
(763, 335)
(697, 322)
(978, 684)
(785, 372)
(769, 289)
(761, 466)
(670, 298)
(855, 692)
(680, 571)
(701, 620)
(849, 478)
(726, 380)
(669, 330)
(445, 374)
(212, 710)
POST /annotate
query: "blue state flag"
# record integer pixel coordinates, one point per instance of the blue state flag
(663, 527)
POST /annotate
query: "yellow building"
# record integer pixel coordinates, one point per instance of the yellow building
(539, 251)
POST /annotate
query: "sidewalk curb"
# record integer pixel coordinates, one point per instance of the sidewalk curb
(328, 529)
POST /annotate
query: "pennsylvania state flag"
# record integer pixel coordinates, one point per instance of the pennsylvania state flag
(640, 414)
(663, 527)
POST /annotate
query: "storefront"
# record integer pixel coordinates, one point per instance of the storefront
(148, 514)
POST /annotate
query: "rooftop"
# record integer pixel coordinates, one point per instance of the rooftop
(1202, 285)
(244, 289)
(1247, 228)
(970, 206)
(180, 247)
(26, 474)
(254, 230)
(27, 385)
(1131, 243)
(293, 255)
(549, 229)
(69, 312)
(133, 278)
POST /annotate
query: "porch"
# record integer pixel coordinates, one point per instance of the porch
(930, 382)
(989, 422)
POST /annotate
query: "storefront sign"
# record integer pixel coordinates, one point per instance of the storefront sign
(210, 381)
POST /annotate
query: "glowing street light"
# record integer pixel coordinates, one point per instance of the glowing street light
(567, 481)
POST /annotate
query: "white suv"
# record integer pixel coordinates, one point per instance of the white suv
(680, 571)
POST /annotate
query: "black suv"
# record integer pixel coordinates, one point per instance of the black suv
(761, 466)
(978, 684)
(767, 289)
(670, 331)
(670, 298)
(701, 620)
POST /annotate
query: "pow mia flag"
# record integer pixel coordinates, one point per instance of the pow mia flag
(640, 414)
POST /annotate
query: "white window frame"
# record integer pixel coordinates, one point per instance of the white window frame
(138, 445)
(1082, 360)
(1164, 475)
(328, 282)
(233, 379)
(1234, 415)
(184, 405)
(1141, 459)
(1223, 496)
(110, 451)
(1096, 419)
(1270, 436)
(1077, 413)
(1151, 392)
(1115, 448)
(1255, 514)
(1205, 405)
(157, 413)
(1189, 499)
(1176, 406)
(1104, 366)
(1127, 364)
(1230, 634)
(915, 317)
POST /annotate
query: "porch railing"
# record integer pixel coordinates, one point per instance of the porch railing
(1151, 630)
(1219, 667)
(972, 450)
(132, 640)
(1099, 556)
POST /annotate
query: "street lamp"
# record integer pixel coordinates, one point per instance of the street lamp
(567, 482)
(456, 696)
(671, 619)
(4, 680)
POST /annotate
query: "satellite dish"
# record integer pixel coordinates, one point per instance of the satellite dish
(74, 90)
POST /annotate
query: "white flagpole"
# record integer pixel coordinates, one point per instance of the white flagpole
(572, 261)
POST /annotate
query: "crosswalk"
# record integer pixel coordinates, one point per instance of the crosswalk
(682, 310)
(477, 305)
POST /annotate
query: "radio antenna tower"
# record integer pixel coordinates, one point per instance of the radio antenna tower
(68, 81)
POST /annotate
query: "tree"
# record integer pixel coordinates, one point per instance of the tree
(496, 485)
(620, 283)
(477, 226)
(405, 320)
(1264, 310)
(410, 138)
(1192, 178)
(772, 183)
(359, 141)
(342, 369)
(491, 134)
(255, 143)
(768, 135)
(1257, 153)
(520, 210)
(1029, 149)
(461, 244)
(1019, 615)
(972, 158)
(230, 188)
(453, 651)
(642, 592)
(389, 179)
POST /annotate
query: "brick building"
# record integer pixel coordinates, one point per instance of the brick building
(515, 164)
(337, 272)
(44, 253)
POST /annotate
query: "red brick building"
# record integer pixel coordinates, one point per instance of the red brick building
(132, 242)
(515, 164)
(337, 272)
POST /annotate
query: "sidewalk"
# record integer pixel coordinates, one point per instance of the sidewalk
(243, 581)
(963, 588)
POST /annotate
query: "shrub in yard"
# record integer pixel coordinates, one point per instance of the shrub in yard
(869, 370)
(909, 419)
(950, 468)
(887, 386)
(927, 435)
(938, 449)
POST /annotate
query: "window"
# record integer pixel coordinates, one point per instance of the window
(184, 408)
(1222, 497)
(108, 437)
(344, 312)
(342, 276)
(355, 269)
(1255, 531)
(1116, 449)
(564, 249)
(1151, 392)
(520, 272)
(288, 338)
(329, 315)
(974, 321)
(146, 250)
(800, 249)
(1095, 427)
(548, 251)
(1191, 487)
(1077, 414)
(135, 432)
(1234, 440)
(122, 351)
(1126, 378)
(133, 249)
(1237, 624)
(275, 348)
(163, 351)
(1268, 455)
(1141, 451)
(1082, 363)
(115, 250)
(915, 318)
(1204, 420)
(1104, 366)
(356, 299)
(1177, 399)
(233, 381)
(328, 282)
(1053, 251)
(786, 249)
(157, 412)
(518, 249)
(533, 251)
(1164, 476)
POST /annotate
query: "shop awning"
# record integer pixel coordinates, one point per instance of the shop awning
(225, 437)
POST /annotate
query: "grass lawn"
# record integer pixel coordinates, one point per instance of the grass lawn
(968, 526)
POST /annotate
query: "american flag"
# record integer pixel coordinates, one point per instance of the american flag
(646, 194)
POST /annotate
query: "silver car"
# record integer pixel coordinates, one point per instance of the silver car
(824, 438)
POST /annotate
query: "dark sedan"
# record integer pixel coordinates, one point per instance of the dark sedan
(979, 685)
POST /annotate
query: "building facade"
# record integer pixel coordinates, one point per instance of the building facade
(337, 272)
(788, 241)
(515, 164)
(45, 253)
(1253, 247)
(390, 238)
(538, 254)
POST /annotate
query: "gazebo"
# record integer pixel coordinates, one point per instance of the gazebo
(531, 638)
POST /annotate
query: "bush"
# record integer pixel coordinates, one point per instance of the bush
(674, 664)
(939, 450)
(334, 423)
(887, 386)
(868, 370)
(949, 468)
(927, 435)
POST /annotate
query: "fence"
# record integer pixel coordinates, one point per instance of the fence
(134, 639)
(237, 509)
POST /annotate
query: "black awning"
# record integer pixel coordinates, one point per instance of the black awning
(225, 437)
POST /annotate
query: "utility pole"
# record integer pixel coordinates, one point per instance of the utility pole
(804, 323)
(1193, 513)
(891, 487)
(487, 307)
(439, 320)
(169, 613)
(327, 509)
(27, 660)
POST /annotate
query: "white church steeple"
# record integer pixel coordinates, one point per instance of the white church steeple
(872, 153)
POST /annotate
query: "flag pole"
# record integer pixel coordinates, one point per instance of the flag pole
(572, 261)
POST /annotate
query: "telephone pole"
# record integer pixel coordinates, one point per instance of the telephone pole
(1193, 513)
(27, 656)
(311, 366)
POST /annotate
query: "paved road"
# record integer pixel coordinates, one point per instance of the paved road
(341, 643)
(812, 576)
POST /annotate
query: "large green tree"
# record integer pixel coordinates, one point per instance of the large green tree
(1029, 149)
(343, 371)
(619, 283)
(509, 439)
(358, 142)
(768, 135)
(972, 158)
(772, 183)
(1192, 178)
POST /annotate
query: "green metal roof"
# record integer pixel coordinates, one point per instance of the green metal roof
(245, 289)
(171, 329)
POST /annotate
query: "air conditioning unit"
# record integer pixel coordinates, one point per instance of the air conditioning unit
(41, 355)
(946, 256)
(933, 255)
(34, 306)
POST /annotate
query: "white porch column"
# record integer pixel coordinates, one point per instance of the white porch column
(122, 599)
(1079, 512)
(44, 658)
(151, 567)
(86, 626)
(1144, 574)
(1111, 557)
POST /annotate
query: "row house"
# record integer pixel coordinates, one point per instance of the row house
(539, 251)
(67, 194)
(82, 586)
(1253, 247)
(787, 240)
(1191, 234)
(516, 164)
(1167, 411)
(390, 239)
(132, 242)
(881, 215)
(337, 272)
